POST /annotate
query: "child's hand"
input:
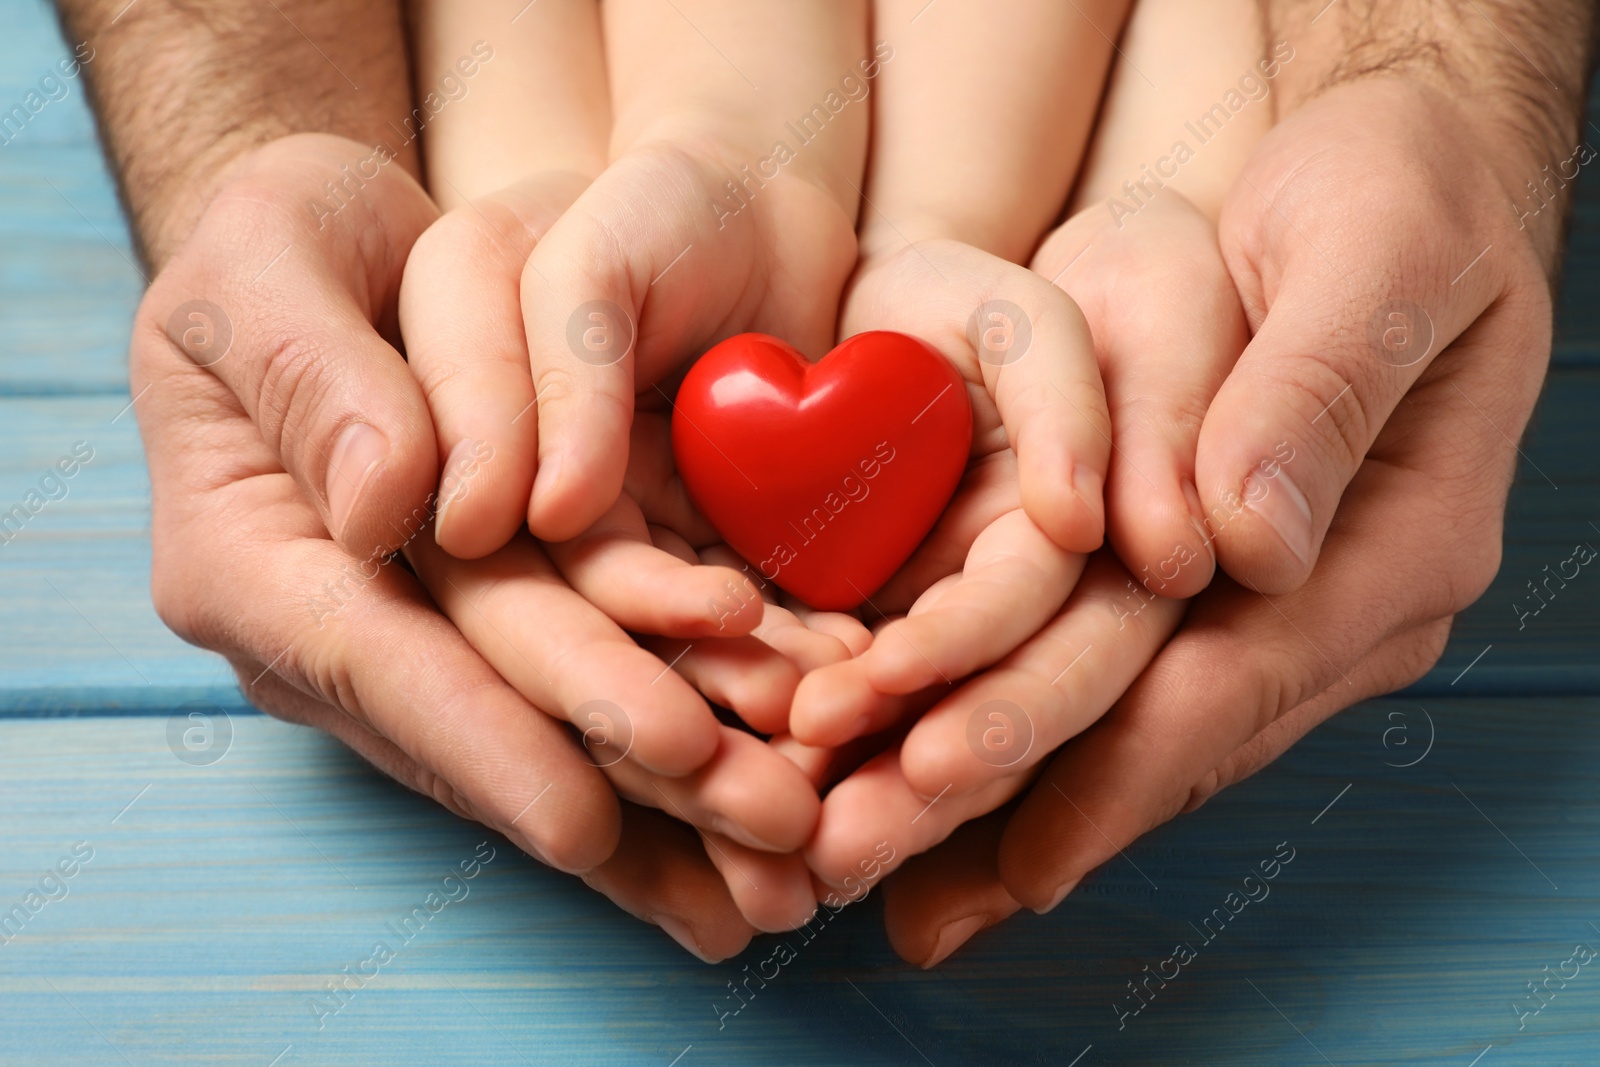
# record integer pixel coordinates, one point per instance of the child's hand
(697, 230)
(464, 326)
(946, 224)
(1160, 369)
(1015, 580)
(1008, 549)
(646, 726)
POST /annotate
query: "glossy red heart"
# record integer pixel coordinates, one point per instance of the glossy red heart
(823, 476)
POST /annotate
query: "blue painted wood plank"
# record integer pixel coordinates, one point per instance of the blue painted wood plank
(220, 900)
(75, 569)
(68, 283)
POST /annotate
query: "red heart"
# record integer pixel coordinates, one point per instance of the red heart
(824, 476)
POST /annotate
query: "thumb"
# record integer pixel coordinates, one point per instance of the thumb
(281, 293)
(1350, 308)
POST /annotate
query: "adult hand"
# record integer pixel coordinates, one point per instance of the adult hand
(288, 297)
(351, 643)
(1358, 199)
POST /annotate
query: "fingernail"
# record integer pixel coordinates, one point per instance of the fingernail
(1061, 894)
(679, 932)
(728, 828)
(548, 474)
(1197, 514)
(1089, 485)
(453, 485)
(356, 454)
(1281, 503)
(952, 936)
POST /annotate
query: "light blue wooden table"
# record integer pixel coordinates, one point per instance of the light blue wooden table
(210, 905)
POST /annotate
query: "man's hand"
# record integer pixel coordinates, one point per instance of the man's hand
(1384, 203)
(279, 204)
(353, 646)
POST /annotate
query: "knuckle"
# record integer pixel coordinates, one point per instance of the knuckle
(557, 384)
(1417, 653)
(431, 784)
(438, 375)
(1334, 410)
(1207, 787)
(484, 231)
(1160, 416)
(1477, 569)
(174, 599)
(291, 373)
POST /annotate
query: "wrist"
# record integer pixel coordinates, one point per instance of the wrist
(1523, 177)
(177, 107)
(746, 164)
(1516, 81)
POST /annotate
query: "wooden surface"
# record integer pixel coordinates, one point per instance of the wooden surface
(220, 899)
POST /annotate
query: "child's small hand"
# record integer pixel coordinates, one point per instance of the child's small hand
(1160, 372)
(1155, 370)
(1007, 551)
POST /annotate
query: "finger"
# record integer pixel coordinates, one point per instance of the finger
(1014, 581)
(1028, 346)
(743, 673)
(809, 638)
(280, 303)
(1060, 682)
(746, 791)
(615, 566)
(660, 873)
(566, 657)
(653, 481)
(940, 899)
(824, 766)
(461, 315)
(583, 297)
(772, 890)
(1163, 358)
(1338, 345)
(837, 703)
(876, 804)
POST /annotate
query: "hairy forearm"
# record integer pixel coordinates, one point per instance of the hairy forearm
(1519, 68)
(182, 88)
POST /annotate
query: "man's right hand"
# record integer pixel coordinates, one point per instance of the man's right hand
(287, 349)
(286, 292)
